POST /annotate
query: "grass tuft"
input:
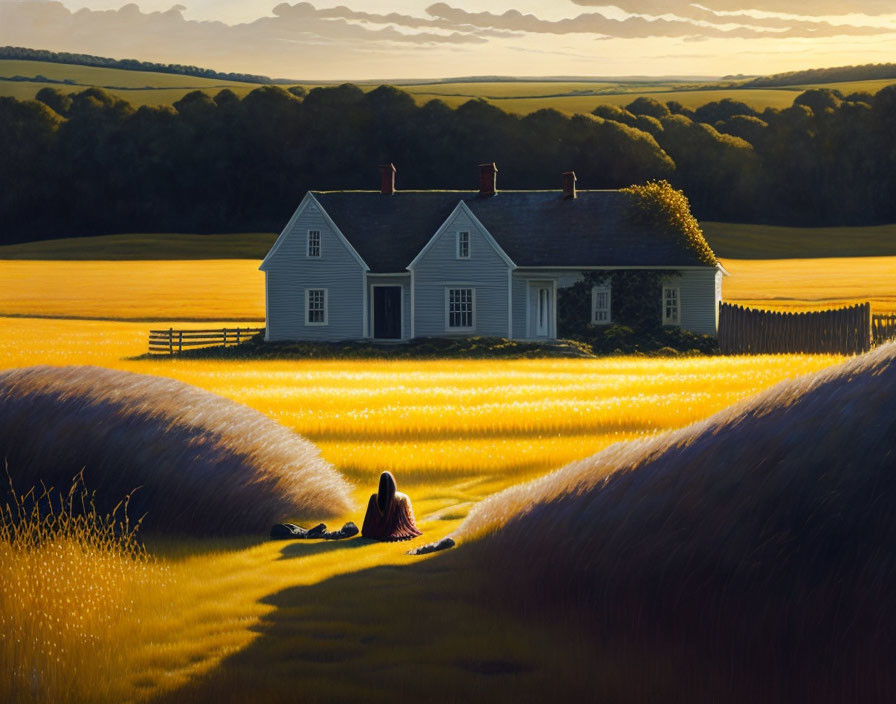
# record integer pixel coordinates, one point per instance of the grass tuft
(68, 573)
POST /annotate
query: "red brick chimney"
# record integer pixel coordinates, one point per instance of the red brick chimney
(488, 179)
(569, 184)
(387, 179)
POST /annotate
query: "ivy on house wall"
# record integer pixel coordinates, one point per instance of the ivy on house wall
(636, 301)
(635, 312)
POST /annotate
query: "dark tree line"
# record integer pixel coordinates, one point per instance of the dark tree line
(828, 159)
(90, 163)
(839, 74)
(21, 53)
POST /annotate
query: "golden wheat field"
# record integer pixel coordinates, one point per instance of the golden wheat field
(215, 289)
(232, 290)
(812, 284)
(200, 614)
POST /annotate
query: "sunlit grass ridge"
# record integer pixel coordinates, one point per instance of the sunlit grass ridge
(203, 464)
(724, 539)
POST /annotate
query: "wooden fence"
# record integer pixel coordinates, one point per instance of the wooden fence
(172, 341)
(845, 331)
(883, 328)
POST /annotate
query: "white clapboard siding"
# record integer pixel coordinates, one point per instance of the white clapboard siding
(439, 268)
(698, 299)
(697, 290)
(289, 272)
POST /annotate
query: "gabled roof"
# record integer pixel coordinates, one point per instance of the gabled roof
(389, 231)
(534, 228)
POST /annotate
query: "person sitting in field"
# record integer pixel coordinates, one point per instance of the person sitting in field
(389, 513)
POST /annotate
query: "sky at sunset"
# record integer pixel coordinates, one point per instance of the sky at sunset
(374, 39)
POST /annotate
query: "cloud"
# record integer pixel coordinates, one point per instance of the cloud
(816, 8)
(302, 40)
(319, 42)
(51, 23)
(642, 27)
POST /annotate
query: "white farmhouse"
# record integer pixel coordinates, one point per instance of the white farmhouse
(394, 265)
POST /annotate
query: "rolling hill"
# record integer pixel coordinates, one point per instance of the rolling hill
(23, 79)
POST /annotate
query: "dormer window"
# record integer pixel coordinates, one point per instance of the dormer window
(463, 245)
(313, 243)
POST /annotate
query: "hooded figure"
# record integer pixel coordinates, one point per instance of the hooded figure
(389, 513)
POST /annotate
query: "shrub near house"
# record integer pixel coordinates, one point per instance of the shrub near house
(388, 265)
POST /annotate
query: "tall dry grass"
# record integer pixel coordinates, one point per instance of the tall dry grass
(754, 549)
(68, 578)
(203, 464)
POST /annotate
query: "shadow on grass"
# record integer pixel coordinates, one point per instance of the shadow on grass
(412, 630)
(423, 631)
(305, 548)
(187, 548)
(184, 547)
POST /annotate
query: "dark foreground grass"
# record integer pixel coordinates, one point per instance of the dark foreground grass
(418, 348)
(413, 632)
(744, 241)
(192, 462)
(131, 247)
(754, 549)
(669, 343)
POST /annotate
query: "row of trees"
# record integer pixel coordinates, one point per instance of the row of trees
(90, 163)
(21, 53)
(839, 74)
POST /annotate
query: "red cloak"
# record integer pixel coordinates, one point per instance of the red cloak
(389, 514)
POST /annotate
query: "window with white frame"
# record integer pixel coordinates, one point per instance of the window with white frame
(671, 306)
(313, 243)
(316, 306)
(600, 305)
(463, 245)
(459, 306)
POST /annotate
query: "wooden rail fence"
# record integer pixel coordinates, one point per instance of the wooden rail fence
(883, 328)
(844, 331)
(172, 341)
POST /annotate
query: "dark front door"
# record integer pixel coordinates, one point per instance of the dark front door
(387, 312)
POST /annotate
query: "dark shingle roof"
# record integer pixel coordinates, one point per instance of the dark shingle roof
(534, 228)
(389, 231)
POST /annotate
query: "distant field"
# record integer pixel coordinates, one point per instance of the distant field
(571, 104)
(811, 284)
(521, 97)
(730, 240)
(96, 76)
(850, 86)
(137, 87)
(228, 289)
(233, 289)
(253, 245)
(740, 241)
